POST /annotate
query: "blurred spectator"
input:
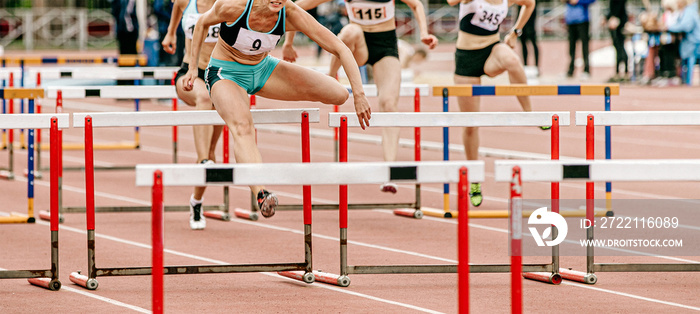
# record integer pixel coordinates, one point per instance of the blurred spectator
(124, 12)
(530, 35)
(163, 9)
(615, 21)
(578, 23)
(688, 23)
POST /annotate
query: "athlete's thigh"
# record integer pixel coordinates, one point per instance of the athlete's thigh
(296, 83)
(231, 102)
(354, 37)
(387, 76)
(468, 104)
(499, 59)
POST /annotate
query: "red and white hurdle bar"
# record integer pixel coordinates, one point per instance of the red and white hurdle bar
(43, 278)
(452, 119)
(590, 171)
(161, 118)
(341, 174)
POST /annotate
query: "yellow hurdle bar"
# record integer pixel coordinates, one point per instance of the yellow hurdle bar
(433, 212)
(21, 93)
(14, 218)
(526, 90)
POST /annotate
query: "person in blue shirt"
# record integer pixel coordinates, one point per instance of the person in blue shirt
(578, 24)
(688, 23)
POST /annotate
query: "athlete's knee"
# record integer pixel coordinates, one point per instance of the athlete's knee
(470, 131)
(241, 127)
(350, 33)
(388, 104)
(202, 101)
(338, 97)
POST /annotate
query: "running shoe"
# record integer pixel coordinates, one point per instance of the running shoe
(475, 194)
(267, 202)
(545, 127)
(197, 221)
(389, 188)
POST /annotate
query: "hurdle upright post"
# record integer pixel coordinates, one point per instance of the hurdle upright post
(4, 110)
(590, 192)
(608, 152)
(173, 83)
(30, 167)
(463, 240)
(157, 241)
(417, 146)
(555, 192)
(516, 260)
(37, 173)
(21, 103)
(343, 205)
(446, 153)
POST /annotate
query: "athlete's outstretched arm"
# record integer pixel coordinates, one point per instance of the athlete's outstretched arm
(300, 20)
(419, 13)
(170, 40)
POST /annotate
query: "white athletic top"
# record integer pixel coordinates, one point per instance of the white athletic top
(485, 15)
(368, 12)
(189, 19)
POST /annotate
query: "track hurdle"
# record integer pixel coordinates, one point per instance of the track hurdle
(179, 118)
(602, 171)
(47, 278)
(18, 121)
(513, 90)
(135, 92)
(476, 173)
(450, 119)
(121, 60)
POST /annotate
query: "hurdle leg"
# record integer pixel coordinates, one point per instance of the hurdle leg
(516, 260)
(224, 214)
(415, 212)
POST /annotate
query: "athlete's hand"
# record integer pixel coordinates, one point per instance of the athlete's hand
(188, 79)
(429, 40)
(169, 43)
(364, 112)
(511, 39)
(289, 54)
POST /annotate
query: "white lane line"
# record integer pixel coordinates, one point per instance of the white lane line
(103, 299)
(580, 285)
(213, 261)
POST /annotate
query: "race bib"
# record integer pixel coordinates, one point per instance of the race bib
(189, 22)
(252, 43)
(488, 17)
(370, 13)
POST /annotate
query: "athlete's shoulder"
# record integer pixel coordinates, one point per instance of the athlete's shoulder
(230, 9)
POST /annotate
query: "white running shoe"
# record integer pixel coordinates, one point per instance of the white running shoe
(197, 220)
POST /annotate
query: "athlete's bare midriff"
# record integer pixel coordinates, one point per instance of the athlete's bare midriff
(225, 52)
(466, 41)
(381, 27)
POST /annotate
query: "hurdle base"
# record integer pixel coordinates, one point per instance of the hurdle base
(217, 214)
(15, 218)
(37, 174)
(598, 212)
(553, 278)
(83, 281)
(299, 275)
(7, 175)
(579, 276)
(48, 283)
(409, 212)
(433, 212)
(245, 214)
(46, 215)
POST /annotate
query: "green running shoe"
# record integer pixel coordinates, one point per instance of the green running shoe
(475, 194)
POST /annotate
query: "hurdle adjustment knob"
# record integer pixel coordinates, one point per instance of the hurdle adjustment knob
(54, 285)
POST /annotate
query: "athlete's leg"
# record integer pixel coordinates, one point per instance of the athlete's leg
(353, 37)
(232, 105)
(470, 136)
(296, 83)
(503, 58)
(387, 76)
